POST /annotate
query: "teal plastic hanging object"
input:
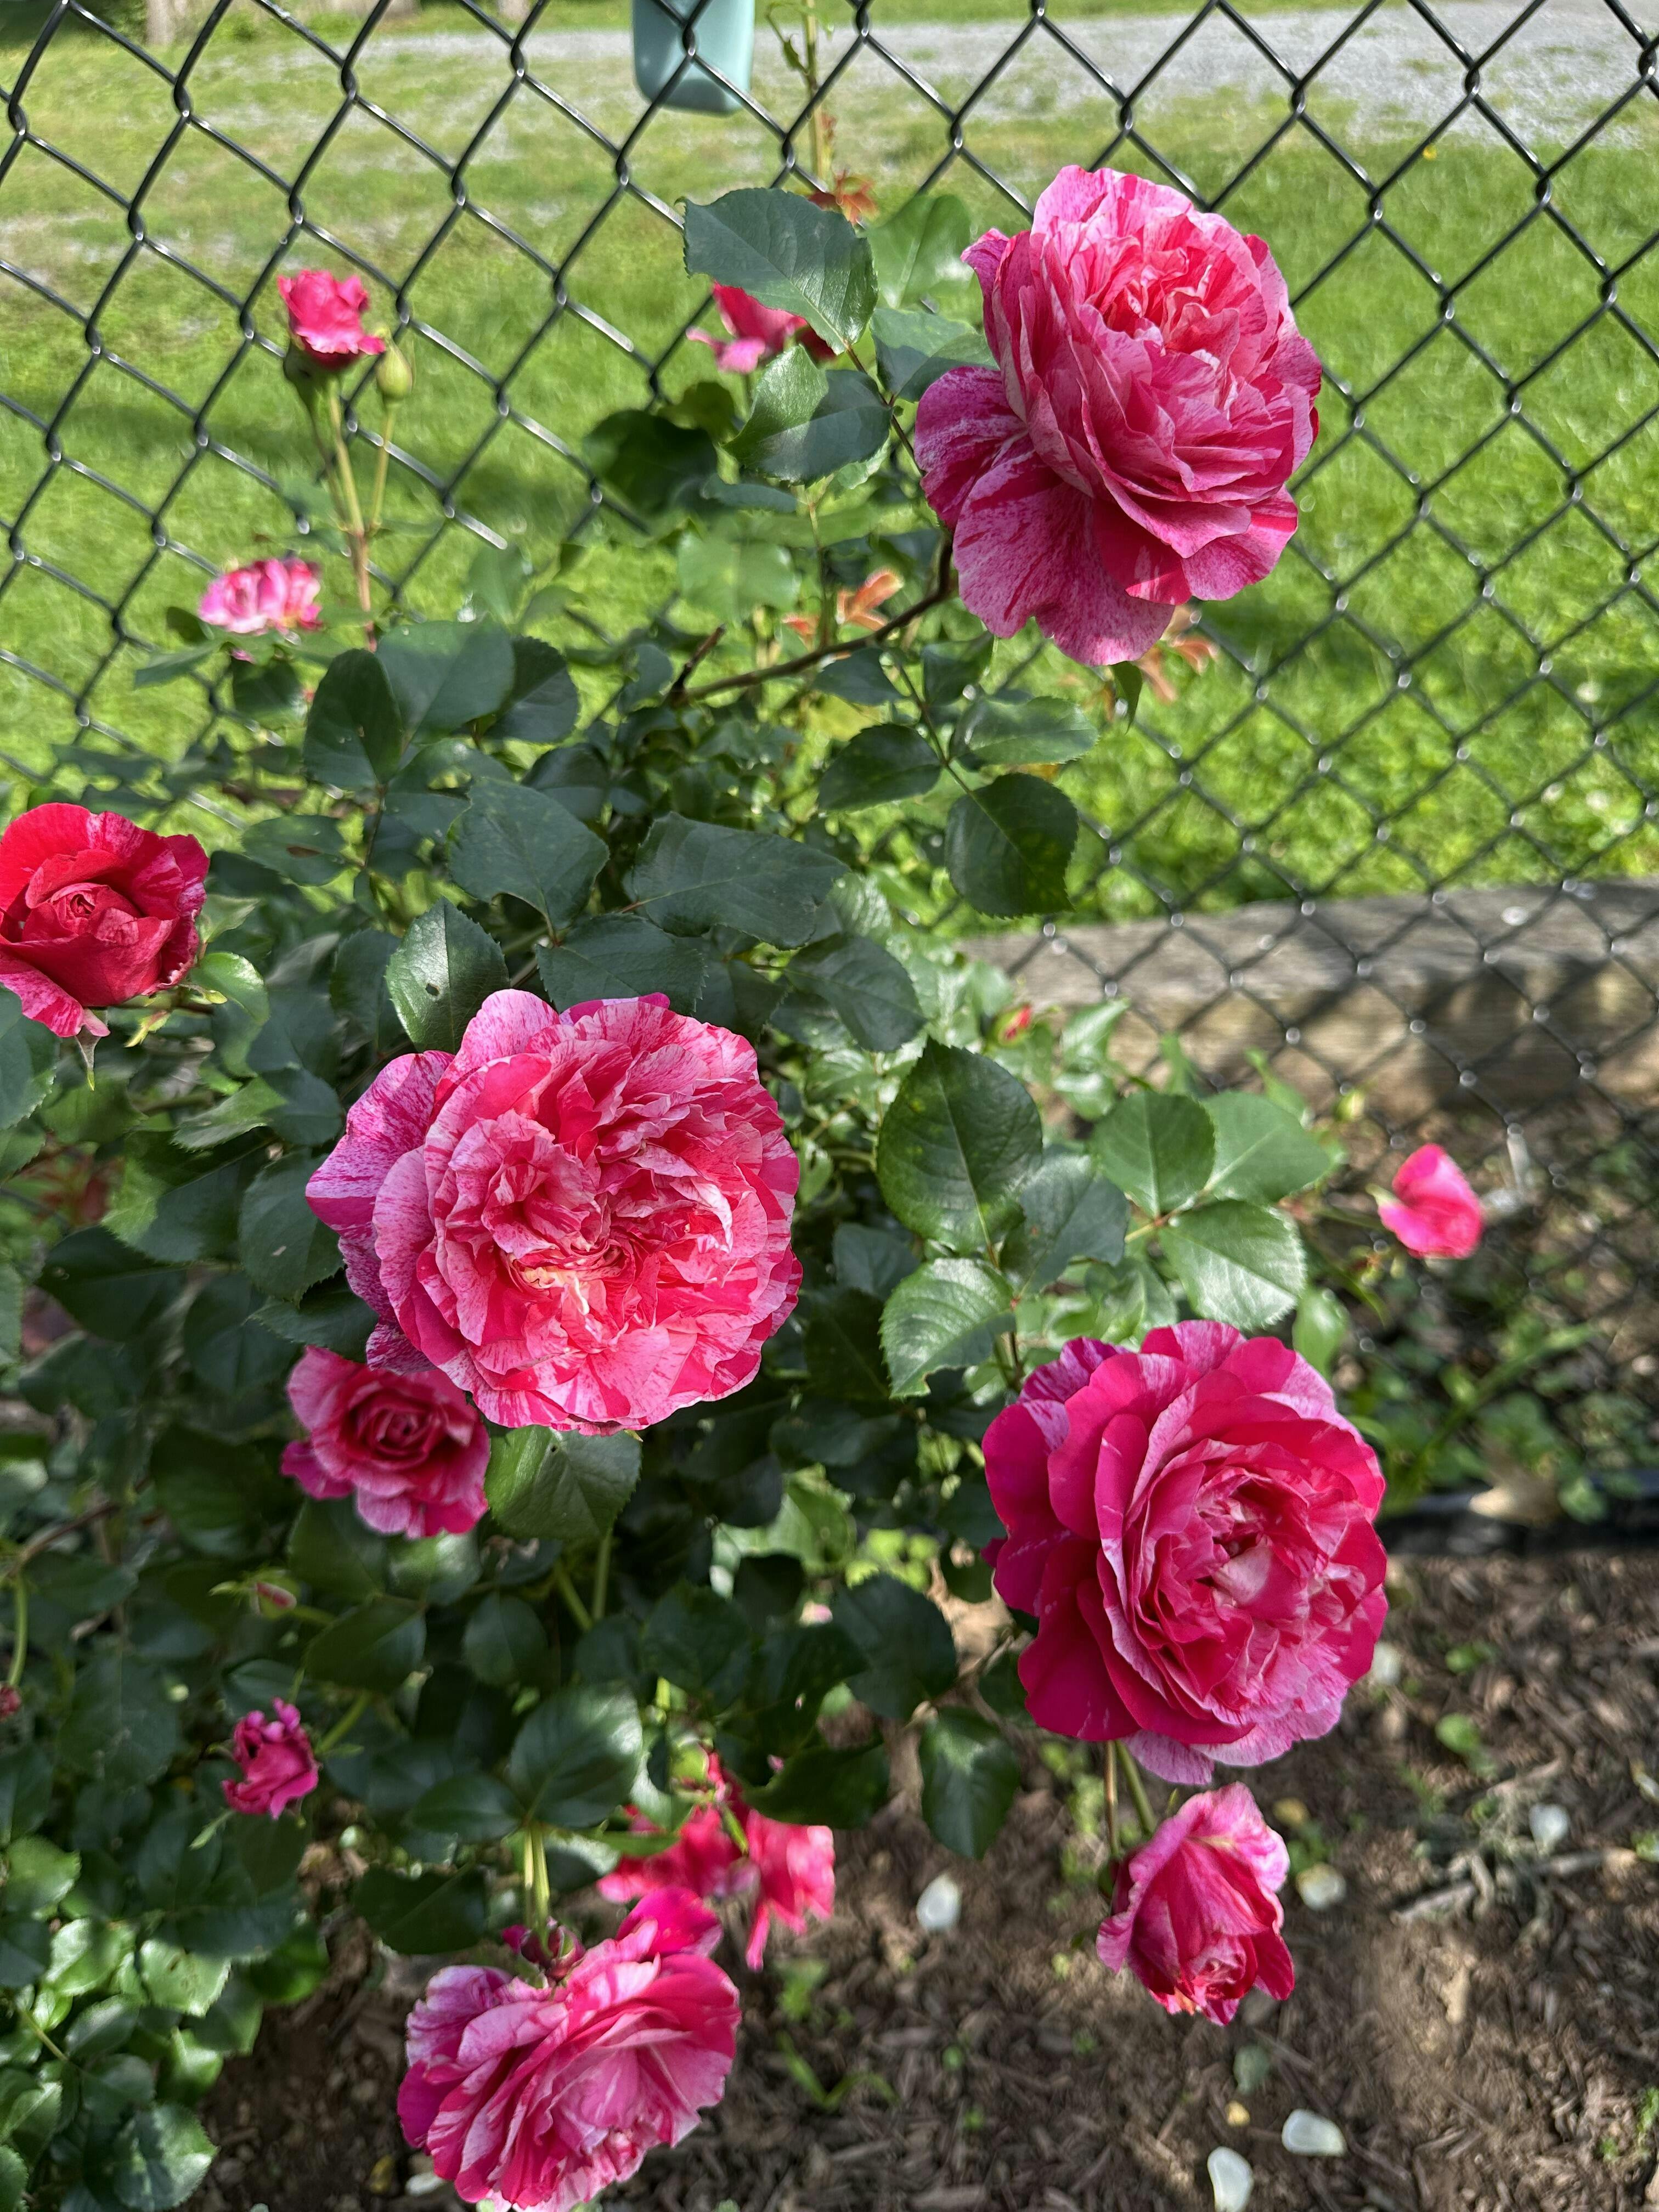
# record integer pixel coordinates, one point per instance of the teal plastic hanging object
(725, 32)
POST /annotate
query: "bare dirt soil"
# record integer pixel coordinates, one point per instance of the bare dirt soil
(1480, 2014)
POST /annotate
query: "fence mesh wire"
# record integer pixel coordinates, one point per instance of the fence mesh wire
(1399, 843)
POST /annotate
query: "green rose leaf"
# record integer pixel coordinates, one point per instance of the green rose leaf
(283, 1247)
(947, 1314)
(505, 1641)
(878, 768)
(693, 876)
(955, 1146)
(28, 1055)
(914, 350)
(1261, 1152)
(1158, 1147)
(699, 1641)
(110, 1290)
(376, 1646)
(474, 1808)
(623, 956)
(867, 990)
(906, 1644)
(447, 674)
(423, 1913)
(1320, 1328)
(652, 463)
(123, 1727)
(836, 1787)
(355, 730)
(1004, 733)
(543, 1483)
(440, 974)
(729, 579)
(516, 840)
(577, 1756)
(969, 1777)
(807, 421)
(1072, 1212)
(178, 1205)
(920, 249)
(158, 2158)
(1237, 1262)
(1008, 845)
(544, 704)
(786, 253)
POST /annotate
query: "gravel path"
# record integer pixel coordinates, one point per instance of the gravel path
(1565, 62)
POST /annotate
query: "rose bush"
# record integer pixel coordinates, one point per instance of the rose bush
(508, 1331)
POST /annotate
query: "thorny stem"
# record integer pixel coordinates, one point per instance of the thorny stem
(601, 1575)
(388, 415)
(1138, 1791)
(567, 1590)
(940, 593)
(1111, 1800)
(20, 1600)
(541, 1889)
(354, 514)
(347, 1721)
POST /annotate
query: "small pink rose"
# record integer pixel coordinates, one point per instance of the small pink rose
(264, 595)
(277, 1763)
(541, 2097)
(1433, 1212)
(1130, 450)
(755, 333)
(1195, 1915)
(326, 319)
(409, 1448)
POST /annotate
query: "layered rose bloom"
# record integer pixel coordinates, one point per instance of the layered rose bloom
(539, 2098)
(1195, 1915)
(264, 595)
(788, 1871)
(1433, 1212)
(755, 333)
(93, 912)
(581, 1218)
(1131, 448)
(409, 1448)
(278, 1765)
(1191, 1525)
(326, 319)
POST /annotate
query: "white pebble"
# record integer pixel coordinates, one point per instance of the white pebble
(1320, 1887)
(939, 1906)
(1387, 1667)
(1309, 2137)
(1231, 2179)
(1550, 1826)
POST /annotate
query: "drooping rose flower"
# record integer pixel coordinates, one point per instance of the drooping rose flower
(790, 1871)
(1433, 1212)
(581, 1218)
(1131, 448)
(277, 1763)
(408, 1448)
(1191, 1524)
(755, 333)
(326, 319)
(264, 595)
(1195, 1915)
(539, 2098)
(93, 912)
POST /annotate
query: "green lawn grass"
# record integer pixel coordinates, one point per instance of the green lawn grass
(1308, 758)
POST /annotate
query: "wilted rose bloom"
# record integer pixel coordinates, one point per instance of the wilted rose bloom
(325, 318)
(540, 2097)
(408, 1448)
(790, 1871)
(277, 1763)
(755, 333)
(264, 595)
(1191, 1524)
(1195, 1915)
(861, 608)
(581, 1218)
(1434, 1213)
(1131, 448)
(93, 912)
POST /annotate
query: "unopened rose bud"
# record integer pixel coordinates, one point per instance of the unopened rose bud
(10, 1703)
(394, 379)
(270, 1598)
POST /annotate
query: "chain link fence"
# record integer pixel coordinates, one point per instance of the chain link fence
(1397, 844)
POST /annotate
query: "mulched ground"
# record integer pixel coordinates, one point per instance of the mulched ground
(1479, 2016)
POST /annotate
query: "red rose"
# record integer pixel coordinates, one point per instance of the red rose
(326, 319)
(277, 1763)
(93, 912)
(1195, 1915)
(409, 1448)
(1191, 1524)
(1433, 1212)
